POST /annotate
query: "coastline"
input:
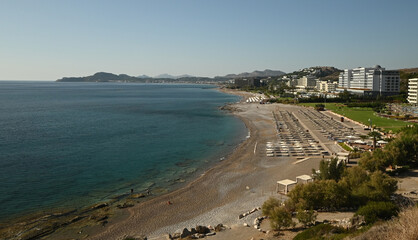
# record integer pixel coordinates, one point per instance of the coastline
(68, 219)
(155, 229)
(239, 183)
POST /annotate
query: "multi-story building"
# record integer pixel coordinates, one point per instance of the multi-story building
(326, 86)
(307, 81)
(370, 81)
(412, 90)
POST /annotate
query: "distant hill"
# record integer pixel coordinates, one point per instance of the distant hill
(321, 72)
(265, 73)
(110, 77)
(98, 77)
(165, 75)
(143, 76)
(327, 73)
(164, 78)
(406, 74)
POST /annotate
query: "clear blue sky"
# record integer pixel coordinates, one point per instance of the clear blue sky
(49, 39)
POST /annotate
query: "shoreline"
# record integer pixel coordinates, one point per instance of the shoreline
(236, 185)
(71, 215)
(164, 198)
(239, 183)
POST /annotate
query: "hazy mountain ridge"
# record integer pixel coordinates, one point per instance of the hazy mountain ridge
(265, 73)
(110, 77)
(164, 78)
(165, 75)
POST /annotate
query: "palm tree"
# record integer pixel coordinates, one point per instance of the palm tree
(376, 136)
(363, 137)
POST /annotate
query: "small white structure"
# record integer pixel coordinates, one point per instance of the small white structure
(303, 179)
(343, 156)
(286, 183)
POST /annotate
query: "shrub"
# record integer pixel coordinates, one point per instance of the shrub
(379, 160)
(374, 211)
(319, 107)
(330, 170)
(319, 232)
(404, 227)
(320, 194)
(280, 217)
(379, 187)
(269, 205)
(306, 217)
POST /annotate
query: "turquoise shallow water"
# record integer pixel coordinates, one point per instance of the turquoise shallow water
(74, 144)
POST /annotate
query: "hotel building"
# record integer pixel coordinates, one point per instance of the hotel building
(412, 90)
(370, 81)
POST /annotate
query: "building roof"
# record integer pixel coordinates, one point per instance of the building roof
(304, 177)
(286, 182)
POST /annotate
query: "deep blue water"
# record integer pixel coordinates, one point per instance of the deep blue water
(74, 144)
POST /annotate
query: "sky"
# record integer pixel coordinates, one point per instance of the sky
(51, 39)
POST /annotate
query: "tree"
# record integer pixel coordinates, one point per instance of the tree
(335, 195)
(403, 150)
(280, 217)
(306, 217)
(379, 188)
(269, 205)
(345, 96)
(378, 161)
(363, 137)
(353, 177)
(375, 136)
(332, 169)
(308, 195)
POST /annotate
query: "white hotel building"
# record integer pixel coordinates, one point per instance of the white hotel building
(370, 81)
(412, 90)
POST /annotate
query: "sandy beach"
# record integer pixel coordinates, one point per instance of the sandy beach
(238, 184)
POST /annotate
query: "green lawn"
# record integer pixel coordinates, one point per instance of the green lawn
(363, 115)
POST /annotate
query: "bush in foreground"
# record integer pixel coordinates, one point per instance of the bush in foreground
(374, 211)
(321, 231)
(402, 228)
(269, 205)
(306, 217)
(279, 215)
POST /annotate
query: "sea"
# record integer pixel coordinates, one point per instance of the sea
(70, 145)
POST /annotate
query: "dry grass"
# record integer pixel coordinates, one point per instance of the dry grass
(405, 227)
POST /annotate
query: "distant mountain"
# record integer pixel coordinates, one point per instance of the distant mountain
(143, 76)
(98, 77)
(164, 78)
(165, 75)
(265, 73)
